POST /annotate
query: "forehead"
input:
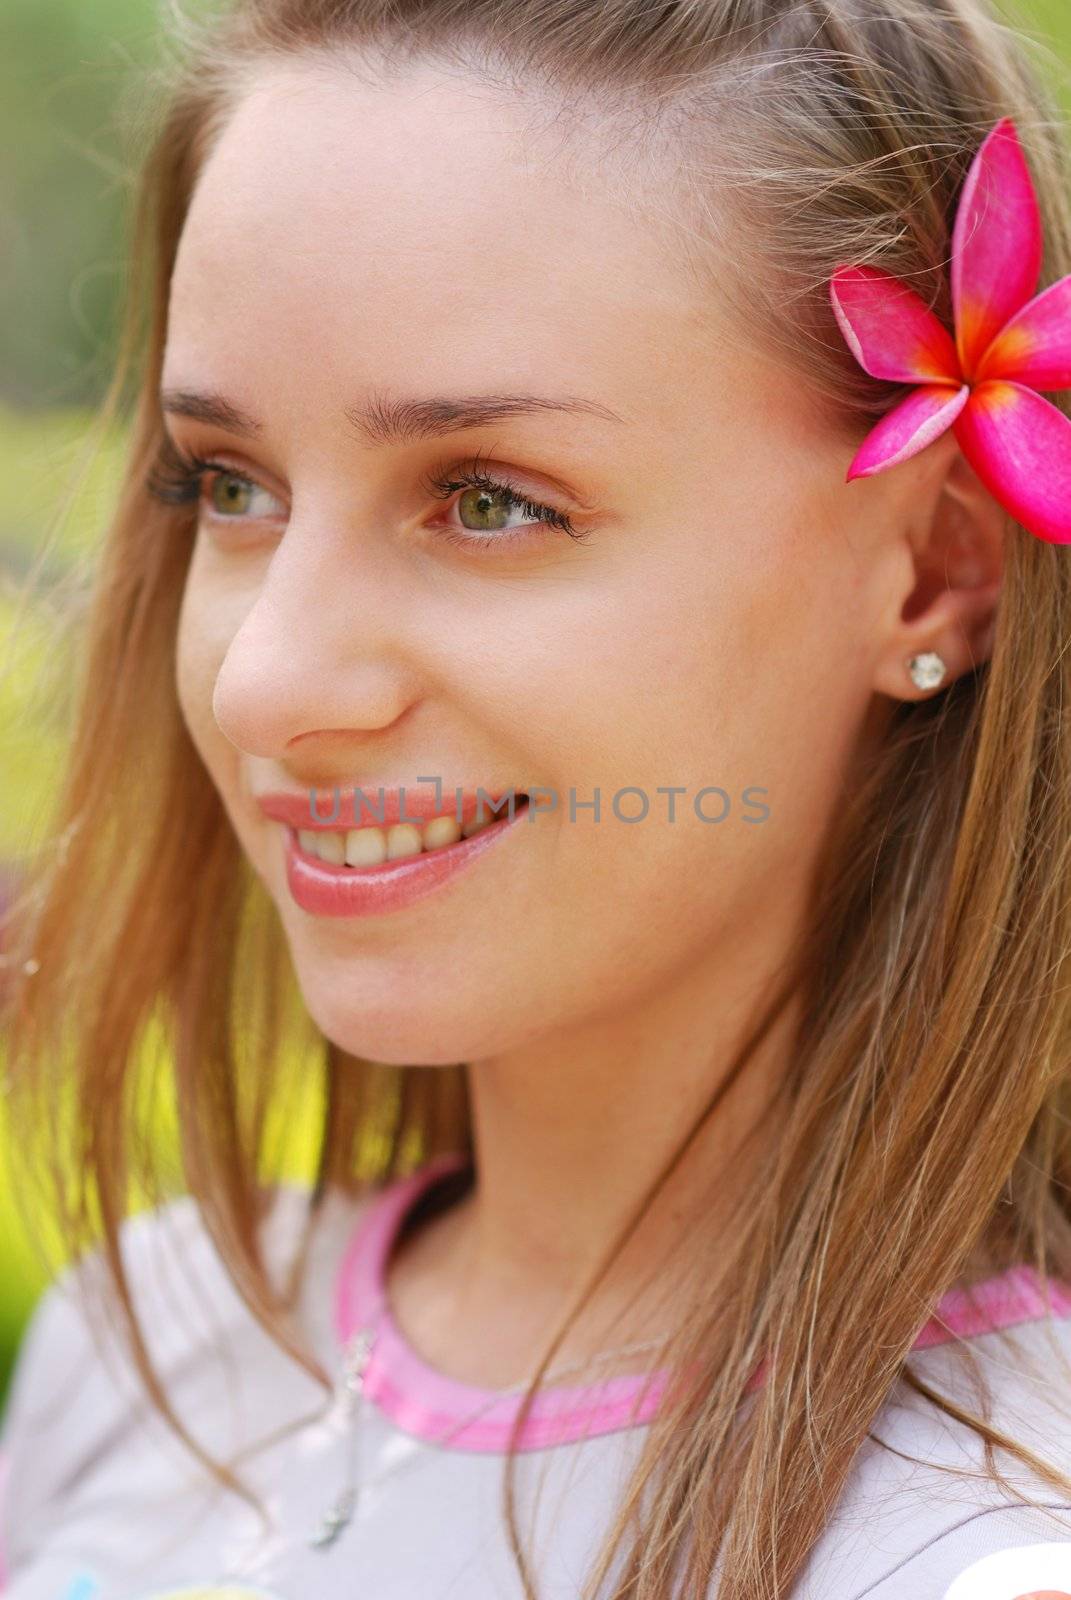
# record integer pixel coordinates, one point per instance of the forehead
(428, 228)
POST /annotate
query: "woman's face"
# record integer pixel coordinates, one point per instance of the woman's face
(353, 253)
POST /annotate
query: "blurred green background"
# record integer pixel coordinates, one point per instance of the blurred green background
(69, 86)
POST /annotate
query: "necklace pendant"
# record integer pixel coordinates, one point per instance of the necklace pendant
(347, 1400)
(357, 1353)
(333, 1521)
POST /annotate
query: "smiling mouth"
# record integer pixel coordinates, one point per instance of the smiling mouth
(372, 846)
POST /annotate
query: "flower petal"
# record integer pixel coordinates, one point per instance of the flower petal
(1020, 447)
(996, 244)
(1035, 346)
(890, 329)
(908, 428)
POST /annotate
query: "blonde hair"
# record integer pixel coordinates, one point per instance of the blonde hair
(923, 1125)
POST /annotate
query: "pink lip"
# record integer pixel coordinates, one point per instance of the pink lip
(420, 806)
(328, 891)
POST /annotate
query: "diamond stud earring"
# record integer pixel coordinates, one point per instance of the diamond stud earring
(927, 670)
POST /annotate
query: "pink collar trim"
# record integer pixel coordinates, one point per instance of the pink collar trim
(440, 1410)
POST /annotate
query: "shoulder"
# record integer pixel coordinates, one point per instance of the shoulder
(923, 1515)
(75, 1398)
(1006, 1552)
(178, 1282)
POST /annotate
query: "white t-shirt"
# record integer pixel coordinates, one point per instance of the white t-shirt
(101, 1502)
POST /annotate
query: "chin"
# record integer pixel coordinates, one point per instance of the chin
(398, 1030)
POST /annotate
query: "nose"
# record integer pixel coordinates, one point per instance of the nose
(323, 646)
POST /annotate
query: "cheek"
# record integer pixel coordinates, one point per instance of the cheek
(688, 665)
(711, 672)
(199, 652)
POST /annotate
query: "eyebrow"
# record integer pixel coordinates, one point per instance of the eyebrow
(392, 421)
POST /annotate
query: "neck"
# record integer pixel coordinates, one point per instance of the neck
(568, 1133)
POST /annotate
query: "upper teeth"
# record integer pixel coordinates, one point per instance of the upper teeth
(368, 846)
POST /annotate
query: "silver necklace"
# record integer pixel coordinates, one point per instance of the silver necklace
(348, 1397)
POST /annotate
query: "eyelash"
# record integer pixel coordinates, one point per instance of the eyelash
(176, 479)
(470, 475)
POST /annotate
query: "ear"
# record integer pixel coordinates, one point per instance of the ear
(958, 560)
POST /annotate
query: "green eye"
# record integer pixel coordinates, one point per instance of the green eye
(489, 510)
(228, 492)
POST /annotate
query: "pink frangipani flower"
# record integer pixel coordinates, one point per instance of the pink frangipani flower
(1010, 343)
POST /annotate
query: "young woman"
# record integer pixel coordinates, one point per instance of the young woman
(576, 680)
